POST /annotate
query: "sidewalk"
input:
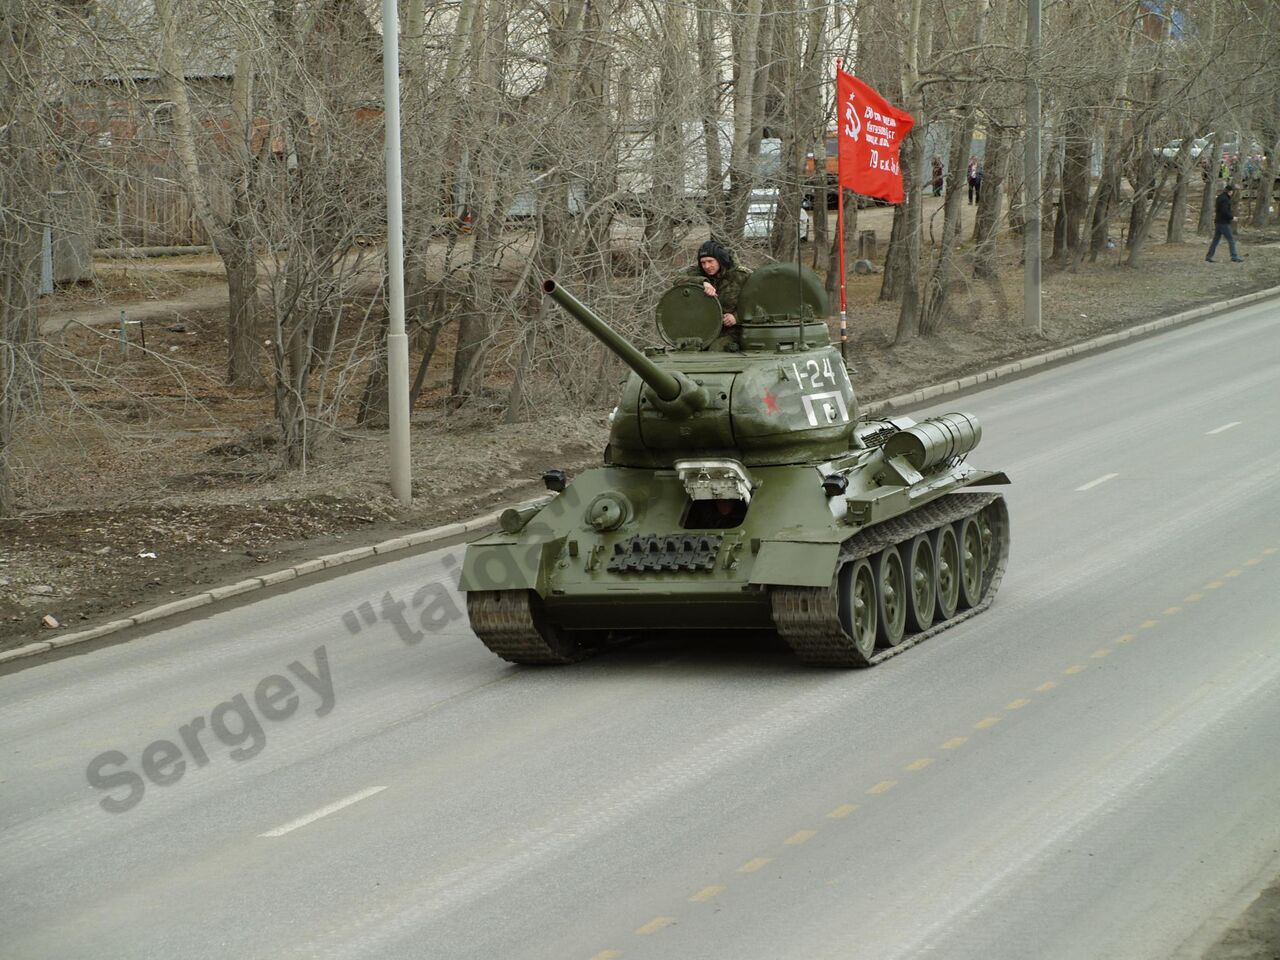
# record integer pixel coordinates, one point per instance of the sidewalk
(210, 297)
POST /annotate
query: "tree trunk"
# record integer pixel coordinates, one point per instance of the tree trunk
(1076, 159)
(242, 295)
(833, 255)
(1178, 205)
(475, 325)
(1266, 185)
(709, 79)
(232, 239)
(912, 160)
(895, 260)
(1209, 174)
(24, 186)
(945, 269)
(987, 218)
(747, 57)
(1107, 194)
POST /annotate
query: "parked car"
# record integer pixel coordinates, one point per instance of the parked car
(1169, 152)
(761, 209)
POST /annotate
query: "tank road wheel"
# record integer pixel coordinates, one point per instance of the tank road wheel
(892, 597)
(973, 580)
(858, 608)
(946, 553)
(922, 573)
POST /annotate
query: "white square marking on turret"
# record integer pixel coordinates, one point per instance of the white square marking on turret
(833, 408)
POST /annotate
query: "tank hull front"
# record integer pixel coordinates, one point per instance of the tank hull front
(657, 570)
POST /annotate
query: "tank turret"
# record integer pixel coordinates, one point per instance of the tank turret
(784, 396)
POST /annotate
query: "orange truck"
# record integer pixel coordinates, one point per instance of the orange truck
(830, 169)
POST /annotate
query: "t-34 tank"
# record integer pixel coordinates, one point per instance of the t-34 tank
(741, 491)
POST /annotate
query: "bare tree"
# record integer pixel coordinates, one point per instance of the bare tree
(231, 234)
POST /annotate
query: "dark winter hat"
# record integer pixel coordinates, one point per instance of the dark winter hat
(713, 249)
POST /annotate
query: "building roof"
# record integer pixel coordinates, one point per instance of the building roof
(126, 37)
(126, 42)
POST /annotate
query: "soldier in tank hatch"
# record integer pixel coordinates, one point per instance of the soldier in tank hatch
(721, 279)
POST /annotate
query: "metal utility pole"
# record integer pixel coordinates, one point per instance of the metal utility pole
(1031, 178)
(397, 340)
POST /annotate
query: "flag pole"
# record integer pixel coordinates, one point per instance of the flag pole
(844, 328)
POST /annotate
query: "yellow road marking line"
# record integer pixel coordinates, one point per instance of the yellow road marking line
(607, 955)
(986, 723)
(1270, 550)
(1017, 704)
(1046, 686)
(708, 893)
(1100, 653)
(884, 786)
(1252, 562)
(751, 866)
(799, 837)
(1213, 585)
(955, 742)
(654, 925)
(1126, 637)
(842, 811)
(1192, 598)
(1170, 611)
(919, 764)
(1148, 624)
(1233, 573)
(1075, 668)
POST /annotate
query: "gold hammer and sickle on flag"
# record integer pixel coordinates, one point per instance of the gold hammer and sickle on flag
(852, 125)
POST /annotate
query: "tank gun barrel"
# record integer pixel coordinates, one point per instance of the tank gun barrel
(666, 386)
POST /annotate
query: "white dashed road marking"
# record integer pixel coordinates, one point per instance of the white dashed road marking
(323, 812)
(1093, 483)
(1225, 426)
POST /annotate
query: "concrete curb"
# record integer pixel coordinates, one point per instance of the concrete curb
(435, 534)
(432, 535)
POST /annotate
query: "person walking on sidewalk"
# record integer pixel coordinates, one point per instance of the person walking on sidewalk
(1222, 219)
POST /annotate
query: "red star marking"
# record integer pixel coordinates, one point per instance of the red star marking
(770, 402)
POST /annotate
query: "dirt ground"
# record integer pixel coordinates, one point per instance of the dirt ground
(154, 479)
(1256, 934)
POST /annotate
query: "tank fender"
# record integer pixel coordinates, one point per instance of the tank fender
(796, 563)
(511, 565)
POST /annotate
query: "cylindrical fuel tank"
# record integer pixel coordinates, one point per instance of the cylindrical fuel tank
(936, 439)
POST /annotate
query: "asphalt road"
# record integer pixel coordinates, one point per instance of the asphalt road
(1090, 769)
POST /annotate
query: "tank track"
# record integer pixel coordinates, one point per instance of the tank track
(510, 624)
(808, 618)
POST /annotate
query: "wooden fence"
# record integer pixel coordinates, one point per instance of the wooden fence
(145, 205)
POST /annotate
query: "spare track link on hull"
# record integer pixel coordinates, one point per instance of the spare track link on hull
(808, 618)
(508, 624)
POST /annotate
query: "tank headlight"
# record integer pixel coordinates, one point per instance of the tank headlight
(608, 511)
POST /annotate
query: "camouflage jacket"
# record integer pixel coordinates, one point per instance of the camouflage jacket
(728, 286)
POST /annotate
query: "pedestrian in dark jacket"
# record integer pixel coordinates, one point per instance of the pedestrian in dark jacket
(721, 279)
(974, 176)
(1223, 217)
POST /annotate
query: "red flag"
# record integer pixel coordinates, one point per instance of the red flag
(869, 134)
